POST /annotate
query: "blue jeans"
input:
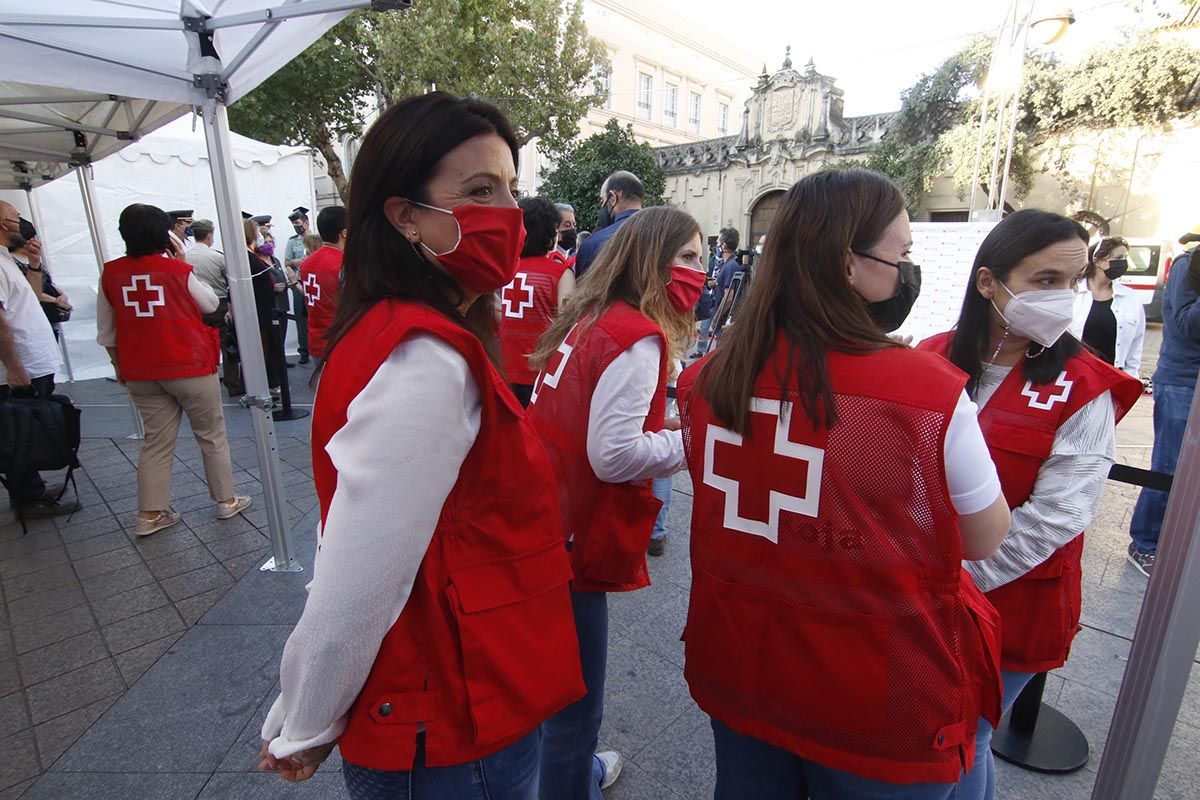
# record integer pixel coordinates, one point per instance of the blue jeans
(983, 773)
(750, 769)
(662, 490)
(1171, 406)
(510, 774)
(27, 487)
(570, 769)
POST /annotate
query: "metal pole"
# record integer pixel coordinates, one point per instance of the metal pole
(1016, 106)
(100, 247)
(245, 319)
(983, 115)
(1164, 643)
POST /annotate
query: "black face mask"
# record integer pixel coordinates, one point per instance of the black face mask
(187, 232)
(604, 216)
(1116, 268)
(890, 314)
(566, 239)
(299, 229)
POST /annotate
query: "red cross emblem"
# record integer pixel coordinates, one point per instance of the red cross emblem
(766, 475)
(143, 296)
(1035, 395)
(516, 298)
(553, 372)
(312, 290)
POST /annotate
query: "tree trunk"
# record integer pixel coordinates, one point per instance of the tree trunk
(333, 162)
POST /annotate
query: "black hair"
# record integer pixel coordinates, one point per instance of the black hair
(731, 237)
(399, 156)
(626, 184)
(144, 229)
(330, 223)
(541, 225)
(1014, 239)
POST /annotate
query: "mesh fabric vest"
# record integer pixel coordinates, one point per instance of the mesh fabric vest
(527, 305)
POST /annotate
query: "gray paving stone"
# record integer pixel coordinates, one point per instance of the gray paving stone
(128, 604)
(41, 581)
(193, 608)
(238, 545)
(87, 514)
(48, 630)
(681, 757)
(1097, 660)
(196, 582)
(70, 654)
(636, 783)
(34, 562)
(10, 677)
(142, 629)
(20, 762)
(56, 735)
(133, 663)
(13, 715)
(25, 545)
(213, 529)
(1180, 779)
(179, 562)
(327, 783)
(73, 690)
(112, 583)
(105, 563)
(1021, 784)
(16, 791)
(240, 565)
(76, 531)
(165, 542)
(643, 694)
(89, 785)
(189, 708)
(52, 601)
(96, 545)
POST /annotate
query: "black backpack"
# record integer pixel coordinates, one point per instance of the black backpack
(39, 433)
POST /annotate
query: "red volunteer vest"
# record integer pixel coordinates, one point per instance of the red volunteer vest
(160, 335)
(830, 614)
(320, 278)
(1040, 610)
(611, 522)
(527, 305)
(485, 648)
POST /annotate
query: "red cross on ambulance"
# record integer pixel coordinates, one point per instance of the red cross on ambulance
(765, 476)
(143, 296)
(1057, 393)
(516, 298)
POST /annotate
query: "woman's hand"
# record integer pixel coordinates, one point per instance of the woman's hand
(672, 424)
(62, 302)
(297, 767)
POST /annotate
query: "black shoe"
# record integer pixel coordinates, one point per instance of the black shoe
(48, 508)
(303, 359)
(657, 547)
(1142, 560)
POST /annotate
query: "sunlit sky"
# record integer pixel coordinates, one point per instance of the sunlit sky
(877, 48)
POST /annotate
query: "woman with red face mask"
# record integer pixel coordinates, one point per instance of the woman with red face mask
(598, 406)
(437, 634)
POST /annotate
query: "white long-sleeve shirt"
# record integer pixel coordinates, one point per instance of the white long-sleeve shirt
(1065, 495)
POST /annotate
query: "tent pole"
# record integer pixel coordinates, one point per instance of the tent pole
(1164, 642)
(36, 218)
(100, 247)
(245, 318)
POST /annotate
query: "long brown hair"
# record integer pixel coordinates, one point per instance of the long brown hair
(634, 266)
(801, 292)
(399, 155)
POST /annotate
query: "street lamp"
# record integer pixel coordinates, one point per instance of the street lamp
(1045, 22)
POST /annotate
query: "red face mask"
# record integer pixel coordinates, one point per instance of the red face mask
(490, 239)
(683, 290)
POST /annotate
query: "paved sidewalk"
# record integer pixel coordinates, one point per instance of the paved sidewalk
(141, 668)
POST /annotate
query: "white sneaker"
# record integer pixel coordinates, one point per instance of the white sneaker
(612, 762)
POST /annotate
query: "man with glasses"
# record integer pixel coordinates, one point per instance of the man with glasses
(28, 359)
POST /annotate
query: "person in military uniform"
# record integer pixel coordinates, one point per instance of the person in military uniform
(181, 231)
(292, 256)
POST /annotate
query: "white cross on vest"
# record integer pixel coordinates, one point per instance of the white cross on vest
(521, 296)
(551, 377)
(1061, 396)
(312, 290)
(767, 476)
(142, 296)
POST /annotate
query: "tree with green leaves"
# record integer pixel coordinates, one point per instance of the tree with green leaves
(583, 166)
(315, 100)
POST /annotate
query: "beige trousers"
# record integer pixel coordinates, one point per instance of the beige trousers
(161, 404)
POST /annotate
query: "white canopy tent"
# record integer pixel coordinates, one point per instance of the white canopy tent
(172, 56)
(167, 168)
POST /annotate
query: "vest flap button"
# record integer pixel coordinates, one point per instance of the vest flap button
(940, 740)
(385, 709)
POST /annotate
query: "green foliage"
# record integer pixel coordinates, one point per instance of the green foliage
(533, 58)
(583, 166)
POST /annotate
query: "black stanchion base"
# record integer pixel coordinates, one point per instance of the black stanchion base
(1056, 745)
(282, 415)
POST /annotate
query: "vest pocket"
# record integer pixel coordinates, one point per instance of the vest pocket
(789, 665)
(613, 547)
(520, 659)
